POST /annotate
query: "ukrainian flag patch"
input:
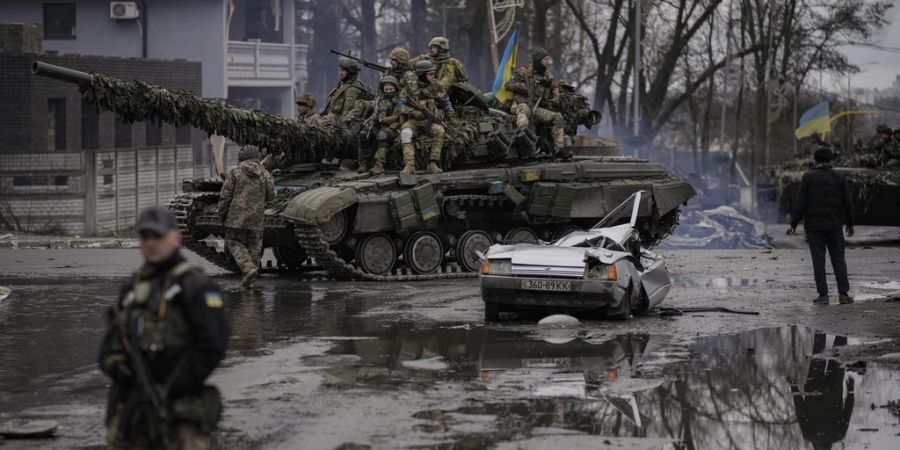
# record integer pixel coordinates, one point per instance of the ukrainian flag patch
(214, 299)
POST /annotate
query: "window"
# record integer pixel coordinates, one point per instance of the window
(183, 134)
(154, 133)
(123, 133)
(59, 21)
(56, 124)
(90, 126)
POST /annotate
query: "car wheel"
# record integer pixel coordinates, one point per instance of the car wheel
(491, 312)
(625, 307)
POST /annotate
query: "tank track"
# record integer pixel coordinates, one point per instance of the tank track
(182, 206)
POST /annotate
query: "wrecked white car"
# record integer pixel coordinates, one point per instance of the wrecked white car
(602, 268)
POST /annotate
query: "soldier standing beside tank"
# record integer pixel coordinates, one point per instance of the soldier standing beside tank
(400, 67)
(449, 70)
(349, 90)
(420, 103)
(536, 94)
(168, 331)
(381, 120)
(242, 205)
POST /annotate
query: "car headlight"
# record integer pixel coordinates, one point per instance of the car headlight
(497, 267)
(602, 272)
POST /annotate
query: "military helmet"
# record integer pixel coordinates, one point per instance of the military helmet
(882, 128)
(400, 54)
(306, 99)
(349, 65)
(440, 42)
(423, 67)
(249, 152)
(388, 79)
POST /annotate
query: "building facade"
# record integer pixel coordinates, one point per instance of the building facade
(246, 48)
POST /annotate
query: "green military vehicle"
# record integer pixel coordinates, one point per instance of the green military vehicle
(498, 185)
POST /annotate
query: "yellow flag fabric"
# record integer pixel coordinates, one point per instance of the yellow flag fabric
(815, 120)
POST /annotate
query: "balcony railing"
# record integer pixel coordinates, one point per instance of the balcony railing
(262, 63)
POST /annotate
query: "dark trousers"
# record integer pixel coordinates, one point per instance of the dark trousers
(819, 241)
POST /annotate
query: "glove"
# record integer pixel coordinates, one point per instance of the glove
(546, 82)
(116, 366)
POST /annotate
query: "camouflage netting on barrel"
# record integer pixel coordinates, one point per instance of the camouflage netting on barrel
(137, 101)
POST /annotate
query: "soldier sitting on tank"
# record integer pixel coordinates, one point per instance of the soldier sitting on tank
(306, 105)
(349, 90)
(400, 68)
(381, 119)
(420, 103)
(448, 70)
(536, 94)
(890, 156)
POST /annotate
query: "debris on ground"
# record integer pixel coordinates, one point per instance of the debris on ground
(437, 363)
(28, 429)
(670, 311)
(5, 292)
(719, 228)
(558, 321)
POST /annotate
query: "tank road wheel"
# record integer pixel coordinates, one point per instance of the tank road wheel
(376, 254)
(521, 234)
(290, 257)
(335, 228)
(470, 243)
(564, 230)
(423, 253)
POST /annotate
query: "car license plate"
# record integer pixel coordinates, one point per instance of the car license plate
(547, 285)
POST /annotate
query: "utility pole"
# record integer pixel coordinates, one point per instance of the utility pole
(637, 67)
(495, 58)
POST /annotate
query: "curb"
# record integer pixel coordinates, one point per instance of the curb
(71, 243)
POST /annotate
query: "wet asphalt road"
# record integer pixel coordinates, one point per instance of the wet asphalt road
(317, 364)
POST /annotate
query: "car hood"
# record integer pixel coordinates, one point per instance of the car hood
(549, 255)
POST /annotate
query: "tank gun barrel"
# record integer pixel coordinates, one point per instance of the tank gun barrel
(62, 73)
(134, 101)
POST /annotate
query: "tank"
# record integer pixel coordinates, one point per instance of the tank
(499, 185)
(875, 191)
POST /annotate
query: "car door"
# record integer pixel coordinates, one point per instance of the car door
(655, 278)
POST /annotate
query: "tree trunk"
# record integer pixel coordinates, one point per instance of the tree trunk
(368, 41)
(417, 38)
(326, 35)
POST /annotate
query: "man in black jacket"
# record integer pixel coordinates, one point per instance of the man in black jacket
(823, 204)
(169, 330)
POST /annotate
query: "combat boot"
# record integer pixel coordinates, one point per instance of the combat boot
(409, 159)
(363, 167)
(434, 168)
(378, 169)
(247, 280)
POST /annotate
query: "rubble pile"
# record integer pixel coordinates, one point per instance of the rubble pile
(718, 228)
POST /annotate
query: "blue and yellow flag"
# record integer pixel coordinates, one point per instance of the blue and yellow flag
(815, 120)
(507, 66)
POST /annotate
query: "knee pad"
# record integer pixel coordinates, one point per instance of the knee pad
(406, 136)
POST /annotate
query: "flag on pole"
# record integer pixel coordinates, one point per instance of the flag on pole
(815, 120)
(507, 66)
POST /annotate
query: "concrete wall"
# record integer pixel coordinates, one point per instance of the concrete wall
(193, 30)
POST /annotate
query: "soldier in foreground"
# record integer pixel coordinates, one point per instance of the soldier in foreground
(242, 206)
(448, 70)
(349, 90)
(536, 94)
(420, 104)
(168, 331)
(381, 119)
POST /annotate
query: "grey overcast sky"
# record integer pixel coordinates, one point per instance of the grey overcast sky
(886, 65)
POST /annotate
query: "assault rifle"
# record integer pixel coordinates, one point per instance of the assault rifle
(430, 116)
(367, 64)
(159, 431)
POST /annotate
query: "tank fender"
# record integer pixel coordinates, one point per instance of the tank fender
(318, 205)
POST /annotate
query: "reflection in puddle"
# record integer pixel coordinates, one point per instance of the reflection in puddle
(769, 388)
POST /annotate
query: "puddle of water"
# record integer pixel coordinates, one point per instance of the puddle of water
(716, 282)
(769, 388)
(890, 285)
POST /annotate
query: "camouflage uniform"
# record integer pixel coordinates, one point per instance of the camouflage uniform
(448, 70)
(429, 96)
(242, 206)
(533, 85)
(308, 116)
(404, 71)
(882, 145)
(350, 90)
(383, 120)
(184, 333)
(892, 150)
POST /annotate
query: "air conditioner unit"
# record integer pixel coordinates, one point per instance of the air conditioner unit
(123, 10)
